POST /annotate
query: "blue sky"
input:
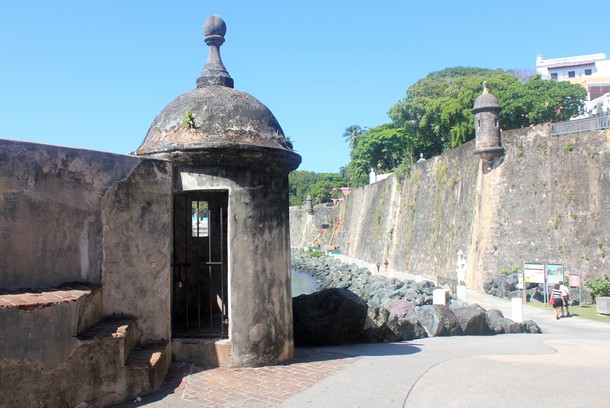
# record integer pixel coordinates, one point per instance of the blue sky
(94, 74)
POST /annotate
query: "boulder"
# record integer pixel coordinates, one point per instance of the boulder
(438, 320)
(472, 320)
(529, 326)
(500, 324)
(328, 317)
(376, 328)
(399, 307)
(408, 327)
(535, 295)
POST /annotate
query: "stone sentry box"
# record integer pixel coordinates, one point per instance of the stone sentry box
(488, 138)
(231, 290)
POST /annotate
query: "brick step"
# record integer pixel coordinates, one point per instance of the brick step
(146, 355)
(32, 298)
(209, 352)
(46, 334)
(120, 329)
(148, 364)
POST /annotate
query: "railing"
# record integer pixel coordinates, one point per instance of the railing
(447, 283)
(580, 125)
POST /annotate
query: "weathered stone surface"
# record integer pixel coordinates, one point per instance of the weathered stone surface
(402, 310)
(472, 319)
(500, 324)
(492, 219)
(260, 334)
(136, 219)
(376, 327)
(328, 317)
(438, 320)
(407, 327)
(529, 326)
(215, 124)
(50, 212)
(95, 372)
(400, 307)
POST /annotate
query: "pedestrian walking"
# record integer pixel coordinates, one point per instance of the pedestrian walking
(556, 300)
(566, 298)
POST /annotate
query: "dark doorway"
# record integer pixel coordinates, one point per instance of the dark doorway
(199, 264)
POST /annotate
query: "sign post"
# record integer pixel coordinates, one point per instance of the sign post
(533, 273)
(554, 274)
(575, 281)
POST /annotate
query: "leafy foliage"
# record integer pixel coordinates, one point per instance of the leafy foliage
(352, 134)
(188, 121)
(382, 148)
(437, 108)
(600, 286)
(539, 101)
(436, 115)
(319, 185)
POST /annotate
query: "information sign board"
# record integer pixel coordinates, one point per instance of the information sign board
(554, 273)
(574, 281)
(533, 273)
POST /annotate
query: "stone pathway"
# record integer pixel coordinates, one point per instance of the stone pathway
(509, 370)
(196, 385)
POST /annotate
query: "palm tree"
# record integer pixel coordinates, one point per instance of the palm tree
(351, 135)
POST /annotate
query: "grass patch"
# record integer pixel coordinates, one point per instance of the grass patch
(584, 311)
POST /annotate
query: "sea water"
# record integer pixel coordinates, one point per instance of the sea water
(302, 283)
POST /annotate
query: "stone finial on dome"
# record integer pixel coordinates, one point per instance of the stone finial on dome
(214, 72)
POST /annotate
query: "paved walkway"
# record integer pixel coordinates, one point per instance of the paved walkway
(567, 365)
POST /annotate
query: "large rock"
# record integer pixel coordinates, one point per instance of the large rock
(407, 328)
(529, 326)
(500, 324)
(400, 307)
(394, 305)
(472, 320)
(376, 327)
(328, 317)
(438, 320)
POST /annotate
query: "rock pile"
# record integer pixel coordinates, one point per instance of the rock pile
(396, 309)
(506, 286)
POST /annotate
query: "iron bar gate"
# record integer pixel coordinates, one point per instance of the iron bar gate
(199, 264)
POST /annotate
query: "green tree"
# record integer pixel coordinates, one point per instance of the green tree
(539, 101)
(382, 148)
(351, 135)
(436, 114)
(437, 109)
(319, 185)
(321, 190)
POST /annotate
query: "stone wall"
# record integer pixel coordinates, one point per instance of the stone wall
(74, 215)
(258, 265)
(547, 200)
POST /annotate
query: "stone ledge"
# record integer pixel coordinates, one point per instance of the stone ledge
(106, 329)
(32, 298)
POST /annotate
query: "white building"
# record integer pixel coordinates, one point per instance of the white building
(591, 71)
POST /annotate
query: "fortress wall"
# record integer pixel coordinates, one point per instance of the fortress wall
(75, 215)
(547, 200)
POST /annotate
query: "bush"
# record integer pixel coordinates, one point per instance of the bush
(600, 286)
(315, 253)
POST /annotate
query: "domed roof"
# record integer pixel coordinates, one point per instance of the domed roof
(485, 100)
(215, 123)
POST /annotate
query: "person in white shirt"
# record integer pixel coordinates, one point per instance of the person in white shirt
(565, 295)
